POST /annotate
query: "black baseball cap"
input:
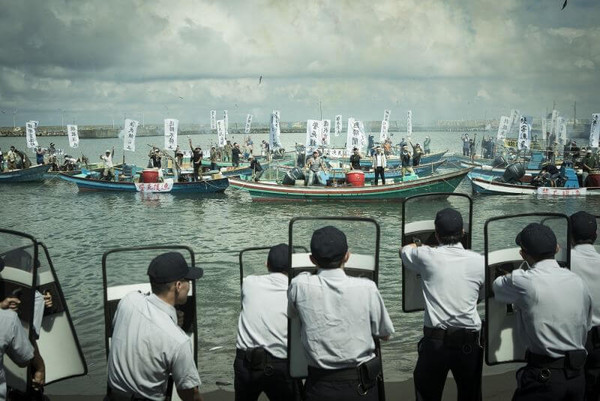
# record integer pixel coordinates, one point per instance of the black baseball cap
(171, 266)
(279, 258)
(537, 240)
(583, 226)
(448, 222)
(328, 244)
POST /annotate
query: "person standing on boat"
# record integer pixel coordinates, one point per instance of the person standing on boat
(257, 170)
(417, 153)
(466, 144)
(236, 152)
(314, 165)
(179, 156)
(453, 280)
(554, 312)
(213, 158)
(261, 363)
(355, 159)
(227, 151)
(196, 160)
(379, 163)
(147, 344)
(39, 155)
(588, 163)
(109, 169)
(337, 352)
(1, 161)
(155, 158)
(405, 161)
(11, 159)
(426, 144)
(585, 262)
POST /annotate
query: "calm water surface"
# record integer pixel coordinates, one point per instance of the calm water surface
(79, 227)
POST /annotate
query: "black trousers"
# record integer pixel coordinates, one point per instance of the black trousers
(592, 366)
(379, 172)
(331, 389)
(273, 380)
(538, 384)
(434, 362)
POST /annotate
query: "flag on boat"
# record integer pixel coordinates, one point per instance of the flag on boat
(248, 123)
(131, 127)
(515, 116)
(561, 130)
(554, 129)
(226, 122)
(503, 127)
(524, 139)
(409, 124)
(314, 130)
(355, 137)
(30, 127)
(213, 119)
(385, 124)
(73, 134)
(544, 129)
(221, 135)
(325, 133)
(595, 130)
(275, 131)
(171, 126)
(338, 125)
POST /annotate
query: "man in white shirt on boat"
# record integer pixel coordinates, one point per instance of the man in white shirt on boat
(379, 164)
(109, 169)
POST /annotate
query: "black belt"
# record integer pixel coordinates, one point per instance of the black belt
(118, 395)
(333, 374)
(573, 360)
(243, 353)
(465, 336)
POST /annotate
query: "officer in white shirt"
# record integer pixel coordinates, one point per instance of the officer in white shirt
(261, 363)
(453, 279)
(147, 344)
(585, 262)
(340, 315)
(554, 311)
(379, 164)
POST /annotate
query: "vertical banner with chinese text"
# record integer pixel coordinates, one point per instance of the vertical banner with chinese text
(338, 125)
(503, 128)
(171, 126)
(30, 134)
(314, 130)
(325, 133)
(248, 123)
(131, 127)
(409, 124)
(221, 133)
(595, 130)
(73, 134)
(213, 119)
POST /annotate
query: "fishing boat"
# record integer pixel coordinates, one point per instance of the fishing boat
(30, 174)
(392, 161)
(270, 191)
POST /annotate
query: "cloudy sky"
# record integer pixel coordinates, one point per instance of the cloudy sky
(90, 62)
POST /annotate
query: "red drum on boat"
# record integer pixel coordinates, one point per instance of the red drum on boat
(150, 175)
(355, 178)
(593, 179)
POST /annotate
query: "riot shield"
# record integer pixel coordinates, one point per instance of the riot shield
(363, 236)
(124, 270)
(253, 261)
(503, 342)
(418, 216)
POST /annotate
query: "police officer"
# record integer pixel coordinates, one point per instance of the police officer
(261, 356)
(585, 262)
(340, 315)
(453, 279)
(147, 344)
(554, 310)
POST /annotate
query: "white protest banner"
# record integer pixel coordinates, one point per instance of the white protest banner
(383, 135)
(524, 140)
(314, 129)
(73, 134)
(595, 130)
(129, 137)
(221, 134)
(213, 119)
(248, 123)
(350, 136)
(513, 123)
(338, 125)
(544, 128)
(171, 126)
(30, 134)
(409, 124)
(275, 131)
(226, 122)
(326, 133)
(561, 129)
(386, 115)
(35, 124)
(503, 128)
(554, 130)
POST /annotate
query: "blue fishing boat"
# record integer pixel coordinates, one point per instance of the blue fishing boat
(31, 174)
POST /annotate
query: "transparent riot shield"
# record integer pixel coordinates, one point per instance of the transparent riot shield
(124, 270)
(363, 236)
(418, 217)
(18, 280)
(503, 341)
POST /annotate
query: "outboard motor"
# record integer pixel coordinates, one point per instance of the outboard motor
(513, 173)
(499, 161)
(292, 175)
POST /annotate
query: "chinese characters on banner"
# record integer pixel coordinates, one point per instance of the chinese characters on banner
(544, 129)
(73, 136)
(248, 123)
(409, 124)
(503, 128)
(524, 139)
(595, 130)
(314, 129)
(338, 125)
(129, 137)
(355, 137)
(221, 134)
(385, 124)
(226, 122)
(213, 119)
(275, 131)
(30, 127)
(171, 126)
(326, 133)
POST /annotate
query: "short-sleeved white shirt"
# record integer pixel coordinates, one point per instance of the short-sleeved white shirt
(453, 279)
(340, 316)
(585, 262)
(148, 345)
(14, 343)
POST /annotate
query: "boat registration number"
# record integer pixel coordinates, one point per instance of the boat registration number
(546, 191)
(165, 186)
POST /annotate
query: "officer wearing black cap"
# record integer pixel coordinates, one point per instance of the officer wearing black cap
(261, 357)
(585, 262)
(340, 315)
(147, 344)
(453, 279)
(554, 312)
